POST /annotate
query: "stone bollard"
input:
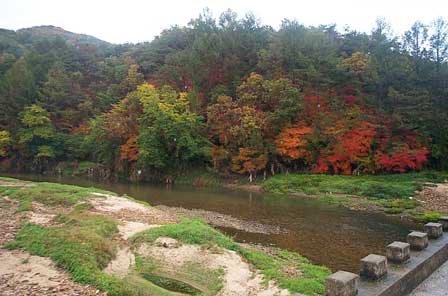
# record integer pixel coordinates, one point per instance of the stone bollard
(417, 240)
(398, 252)
(373, 266)
(444, 221)
(434, 230)
(342, 283)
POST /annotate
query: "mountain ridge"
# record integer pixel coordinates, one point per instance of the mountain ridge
(49, 31)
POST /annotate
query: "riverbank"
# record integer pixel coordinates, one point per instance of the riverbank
(123, 247)
(419, 196)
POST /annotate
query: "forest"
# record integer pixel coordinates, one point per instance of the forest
(228, 95)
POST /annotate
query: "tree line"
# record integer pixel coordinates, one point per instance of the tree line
(228, 93)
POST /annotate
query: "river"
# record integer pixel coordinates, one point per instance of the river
(325, 233)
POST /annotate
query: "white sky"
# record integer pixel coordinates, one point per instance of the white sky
(141, 20)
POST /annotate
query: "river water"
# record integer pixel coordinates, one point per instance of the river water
(325, 233)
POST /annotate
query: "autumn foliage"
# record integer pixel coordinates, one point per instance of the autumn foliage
(332, 133)
(231, 95)
(292, 143)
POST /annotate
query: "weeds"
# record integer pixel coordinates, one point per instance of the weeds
(372, 186)
(51, 194)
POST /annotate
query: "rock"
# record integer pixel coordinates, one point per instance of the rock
(434, 230)
(373, 266)
(417, 240)
(167, 242)
(342, 283)
(444, 221)
(398, 252)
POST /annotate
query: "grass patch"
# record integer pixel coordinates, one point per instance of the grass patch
(334, 199)
(426, 217)
(372, 186)
(83, 243)
(398, 206)
(7, 179)
(51, 194)
(197, 279)
(170, 284)
(393, 211)
(141, 286)
(25, 205)
(200, 178)
(83, 246)
(311, 281)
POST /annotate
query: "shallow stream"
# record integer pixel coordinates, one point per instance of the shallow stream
(325, 233)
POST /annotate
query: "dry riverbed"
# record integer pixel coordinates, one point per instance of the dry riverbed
(222, 220)
(137, 249)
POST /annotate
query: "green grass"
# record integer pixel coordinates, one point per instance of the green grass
(191, 278)
(371, 186)
(7, 179)
(190, 232)
(196, 232)
(25, 205)
(426, 217)
(398, 206)
(51, 194)
(140, 286)
(83, 245)
(199, 178)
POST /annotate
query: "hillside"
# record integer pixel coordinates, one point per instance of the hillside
(230, 96)
(42, 32)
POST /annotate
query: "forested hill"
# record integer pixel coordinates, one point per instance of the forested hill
(229, 94)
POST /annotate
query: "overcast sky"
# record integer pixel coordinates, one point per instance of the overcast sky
(141, 20)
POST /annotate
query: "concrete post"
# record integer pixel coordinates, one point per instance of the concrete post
(373, 266)
(444, 221)
(434, 230)
(418, 240)
(342, 283)
(398, 252)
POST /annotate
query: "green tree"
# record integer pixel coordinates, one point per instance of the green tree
(439, 42)
(415, 41)
(279, 99)
(37, 138)
(5, 142)
(170, 134)
(61, 95)
(17, 90)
